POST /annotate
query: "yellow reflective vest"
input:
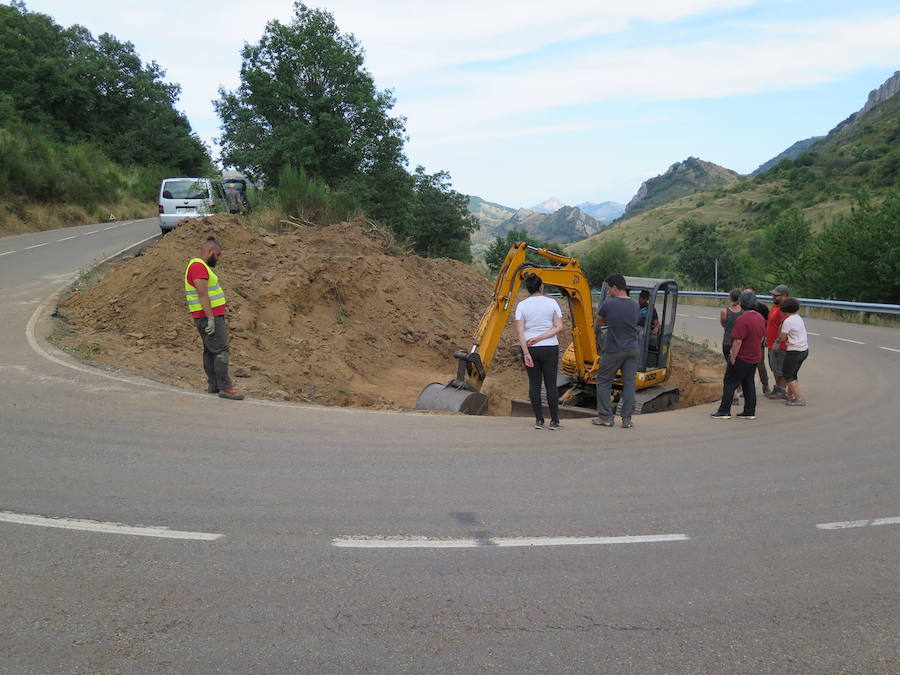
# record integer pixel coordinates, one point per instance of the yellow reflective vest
(216, 294)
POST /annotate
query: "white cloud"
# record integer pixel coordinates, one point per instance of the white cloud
(708, 69)
(403, 37)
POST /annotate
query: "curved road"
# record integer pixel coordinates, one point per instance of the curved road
(322, 563)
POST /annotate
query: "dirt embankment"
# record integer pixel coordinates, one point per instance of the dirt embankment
(323, 315)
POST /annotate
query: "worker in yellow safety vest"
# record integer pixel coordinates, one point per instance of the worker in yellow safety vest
(206, 303)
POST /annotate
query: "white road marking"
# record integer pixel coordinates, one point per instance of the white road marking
(91, 232)
(111, 227)
(425, 542)
(809, 332)
(37, 245)
(6, 253)
(108, 528)
(859, 523)
(74, 236)
(890, 349)
(709, 318)
(856, 342)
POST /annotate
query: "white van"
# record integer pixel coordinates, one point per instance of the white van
(181, 198)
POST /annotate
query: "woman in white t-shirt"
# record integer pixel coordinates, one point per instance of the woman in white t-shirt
(538, 320)
(793, 334)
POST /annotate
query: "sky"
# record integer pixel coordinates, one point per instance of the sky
(582, 100)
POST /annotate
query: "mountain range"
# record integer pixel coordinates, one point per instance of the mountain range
(820, 178)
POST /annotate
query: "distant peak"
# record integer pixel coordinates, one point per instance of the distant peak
(551, 205)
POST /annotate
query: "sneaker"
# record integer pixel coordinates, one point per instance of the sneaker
(553, 426)
(720, 415)
(776, 393)
(600, 422)
(627, 423)
(232, 394)
(745, 416)
(539, 424)
(212, 389)
(795, 401)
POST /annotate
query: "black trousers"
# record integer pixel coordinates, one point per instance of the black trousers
(739, 374)
(546, 364)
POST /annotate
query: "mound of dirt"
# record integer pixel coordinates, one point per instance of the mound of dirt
(323, 315)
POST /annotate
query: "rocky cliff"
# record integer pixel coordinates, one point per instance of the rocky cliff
(682, 178)
(565, 225)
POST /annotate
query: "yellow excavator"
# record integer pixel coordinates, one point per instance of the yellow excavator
(576, 383)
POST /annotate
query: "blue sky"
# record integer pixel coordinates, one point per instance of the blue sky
(581, 100)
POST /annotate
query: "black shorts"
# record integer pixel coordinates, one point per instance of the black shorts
(792, 363)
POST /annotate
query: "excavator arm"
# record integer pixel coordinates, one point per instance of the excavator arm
(463, 393)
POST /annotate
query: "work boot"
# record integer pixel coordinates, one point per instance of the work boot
(232, 394)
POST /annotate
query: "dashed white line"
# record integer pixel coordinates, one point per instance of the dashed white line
(492, 542)
(856, 342)
(890, 349)
(111, 227)
(6, 253)
(91, 232)
(37, 245)
(859, 523)
(108, 528)
(709, 318)
(809, 332)
(74, 236)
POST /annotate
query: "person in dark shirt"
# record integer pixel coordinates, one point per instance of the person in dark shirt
(746, 352)
(761, 366)
(645, 310)
(620, 315)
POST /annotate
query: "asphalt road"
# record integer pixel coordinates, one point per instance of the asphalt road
(753, 585)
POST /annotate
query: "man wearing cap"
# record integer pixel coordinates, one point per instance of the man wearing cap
(776, 352)
(620, 314)
(744, 354)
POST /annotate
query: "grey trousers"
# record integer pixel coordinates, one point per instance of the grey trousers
(215, 353)
(609, 364)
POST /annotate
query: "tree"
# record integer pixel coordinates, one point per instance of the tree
(786, 248)
(306, 100)
(74, 88)
(700, 247)
(857, 257)
(441, 222)
(612, 255)
(496, 252)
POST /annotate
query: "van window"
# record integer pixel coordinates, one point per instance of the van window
(185, 189)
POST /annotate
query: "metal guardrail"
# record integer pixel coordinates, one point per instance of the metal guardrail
(838, 305)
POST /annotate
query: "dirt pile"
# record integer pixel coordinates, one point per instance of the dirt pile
(323, 315)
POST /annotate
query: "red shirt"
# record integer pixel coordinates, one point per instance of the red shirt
(773, 326)
(750, 328)
(198, 271)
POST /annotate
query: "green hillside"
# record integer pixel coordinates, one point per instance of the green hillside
(86, 128)
(819, 190)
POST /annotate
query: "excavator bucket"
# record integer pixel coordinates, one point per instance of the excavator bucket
(437, 396)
